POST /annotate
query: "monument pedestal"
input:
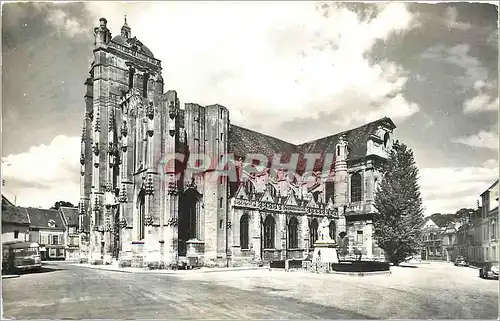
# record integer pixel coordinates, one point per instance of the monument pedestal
(195, 251)
(325, 251)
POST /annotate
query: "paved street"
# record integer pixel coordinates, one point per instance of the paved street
(437, 290)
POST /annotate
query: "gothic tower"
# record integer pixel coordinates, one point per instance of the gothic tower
(124, 137)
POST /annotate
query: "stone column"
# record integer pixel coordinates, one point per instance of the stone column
(304, 223)
(256, 238)
(369, 238)
(283, 233)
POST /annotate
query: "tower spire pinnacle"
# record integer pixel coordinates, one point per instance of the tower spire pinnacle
(126, 31)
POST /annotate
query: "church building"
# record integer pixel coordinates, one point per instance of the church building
(133, 209)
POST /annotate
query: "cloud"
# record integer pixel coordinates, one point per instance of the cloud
(493, 38)
(485, 98)
(447, 189)
(450, 20)
(297, 61)
(483, 139)
(45, 173)
(64, 23)
(458, 56)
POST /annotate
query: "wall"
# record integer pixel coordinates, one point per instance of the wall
(8, 232)
(45, 239)
(72, 241)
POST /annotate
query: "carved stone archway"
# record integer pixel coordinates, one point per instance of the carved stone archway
(189, 219)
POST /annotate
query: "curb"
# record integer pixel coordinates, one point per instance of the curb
(169, 272)
(362, 273)
(10, 276)
(336, 272)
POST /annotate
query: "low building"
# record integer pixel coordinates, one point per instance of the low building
(449, 237)
(15, 223)
(432, 247)
(478, 238)
(69, 216)
(47, 227)
(489, 223)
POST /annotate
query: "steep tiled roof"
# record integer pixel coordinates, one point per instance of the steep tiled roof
(70, 215)
(243, 141)
(14, 214)
(356, 138)
(40, 218)
(6, 202)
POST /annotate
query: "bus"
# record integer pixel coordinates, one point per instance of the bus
(21, 256)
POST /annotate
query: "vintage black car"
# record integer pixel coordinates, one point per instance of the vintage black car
(461, 261)
(489, 270)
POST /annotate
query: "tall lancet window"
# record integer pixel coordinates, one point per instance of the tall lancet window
(332, 230)
(131, 73)
(244, 232)
(142, 213)
(269, 226)
(313, 232)
(145, 80)
(293, 231)
(356, 187)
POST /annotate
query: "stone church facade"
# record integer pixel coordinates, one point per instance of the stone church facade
(132, 208)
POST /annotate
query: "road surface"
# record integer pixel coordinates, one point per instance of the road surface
(437, 290)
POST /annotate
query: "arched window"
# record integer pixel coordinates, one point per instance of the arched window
(269, 226)
(145, 80)
(332, 230)
(244, 232)
(293, 231)
(313, 232)
(142, 213)
(386, 139)
(356, 187)
(131, 78)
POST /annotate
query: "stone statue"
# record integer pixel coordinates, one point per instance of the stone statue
(325, 231)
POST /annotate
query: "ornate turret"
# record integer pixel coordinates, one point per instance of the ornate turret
(126, 31)
(341, 172)
(341, 150)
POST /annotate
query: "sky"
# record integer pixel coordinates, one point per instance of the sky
(294, 70)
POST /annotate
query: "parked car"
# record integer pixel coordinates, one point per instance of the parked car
(461, 261)
(489, 270)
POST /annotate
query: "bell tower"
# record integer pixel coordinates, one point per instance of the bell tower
(121, 140)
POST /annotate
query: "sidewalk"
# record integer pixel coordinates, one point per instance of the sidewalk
(11, 276)
(144, 271)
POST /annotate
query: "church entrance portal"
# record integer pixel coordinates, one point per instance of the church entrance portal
(187, 218)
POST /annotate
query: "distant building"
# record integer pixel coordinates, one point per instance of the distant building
(47, 227)
(449, 241)
(69, 216)
(489, 223)
(432, 241)
(440, 240)
(478, 238)
(15, 223)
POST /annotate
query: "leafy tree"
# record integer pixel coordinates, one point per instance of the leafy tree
(465, 214)
(398, 224)
(59, 204)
